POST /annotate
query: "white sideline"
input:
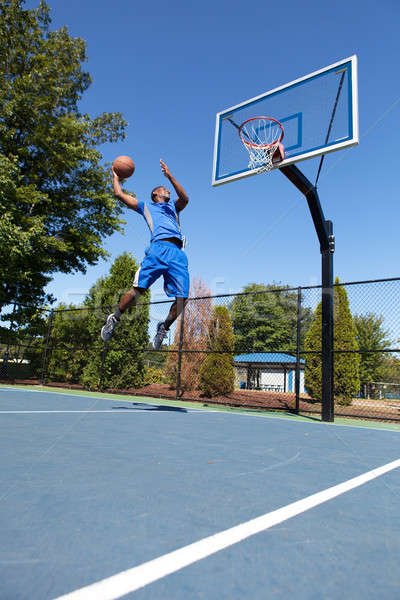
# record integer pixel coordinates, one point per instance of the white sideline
(63, 412)
(135, 578)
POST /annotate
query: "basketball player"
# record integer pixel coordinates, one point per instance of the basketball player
(163, 257)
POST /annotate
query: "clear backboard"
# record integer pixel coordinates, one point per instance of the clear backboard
(318, 112)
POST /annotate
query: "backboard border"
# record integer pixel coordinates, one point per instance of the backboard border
(353, 141)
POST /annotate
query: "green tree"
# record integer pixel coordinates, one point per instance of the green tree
(371, 337)
(267, 320)
(17, 238)
(124, 365)
(22, 341)
(217, 373)
(391, 369)
(346, 364)
(71, 346)
(56, 200)
(77, 352)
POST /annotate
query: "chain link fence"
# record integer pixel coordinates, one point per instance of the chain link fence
(255, 350)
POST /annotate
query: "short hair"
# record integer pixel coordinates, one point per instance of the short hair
(155, 189)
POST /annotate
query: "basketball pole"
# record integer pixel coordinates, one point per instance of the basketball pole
(326, 239)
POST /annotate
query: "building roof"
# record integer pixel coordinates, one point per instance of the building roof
(267, 358)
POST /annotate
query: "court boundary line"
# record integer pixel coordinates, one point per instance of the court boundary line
(50, 412)
(130, 580)
(390, 427)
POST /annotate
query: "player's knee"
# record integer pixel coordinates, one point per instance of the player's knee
(137, 292)
(181, 303)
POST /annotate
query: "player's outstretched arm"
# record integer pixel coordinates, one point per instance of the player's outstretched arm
(130, 201)
(183, 198)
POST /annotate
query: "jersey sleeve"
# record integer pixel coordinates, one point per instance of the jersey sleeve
(140, 207)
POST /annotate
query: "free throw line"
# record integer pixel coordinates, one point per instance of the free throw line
(135, 578)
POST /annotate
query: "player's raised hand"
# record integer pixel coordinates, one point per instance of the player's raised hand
(165, 169)
(115, 174)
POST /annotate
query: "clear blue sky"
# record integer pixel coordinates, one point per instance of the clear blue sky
(170, 67)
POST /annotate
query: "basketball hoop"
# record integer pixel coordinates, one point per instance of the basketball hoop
(262, 136)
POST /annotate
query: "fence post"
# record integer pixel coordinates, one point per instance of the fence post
(4, 366)
(298, 342)
(46, 348)
(103, 358)
(178, 377)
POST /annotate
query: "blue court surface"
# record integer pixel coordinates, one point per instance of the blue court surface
(104, 498)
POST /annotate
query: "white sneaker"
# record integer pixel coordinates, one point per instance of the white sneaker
(108, 328)
(160, 335)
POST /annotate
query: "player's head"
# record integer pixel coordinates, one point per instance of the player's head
(160, 194)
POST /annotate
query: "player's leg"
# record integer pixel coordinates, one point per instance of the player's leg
(176, 283)
(174, 312)
(145, 276)
(129, 299)
(163, 327)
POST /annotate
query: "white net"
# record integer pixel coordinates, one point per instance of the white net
(261, 158)
(261, 137)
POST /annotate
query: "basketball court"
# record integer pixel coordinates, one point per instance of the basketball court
(105, 497)
(109, 498)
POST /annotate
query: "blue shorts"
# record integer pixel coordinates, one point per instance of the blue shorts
(166, 259)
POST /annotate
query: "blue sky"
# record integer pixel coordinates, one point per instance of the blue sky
(171, 67)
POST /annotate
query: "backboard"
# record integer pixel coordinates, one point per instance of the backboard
(319, 114)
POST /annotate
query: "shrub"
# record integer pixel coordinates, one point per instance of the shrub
(346, 364)
(217, 376)
(153, 375)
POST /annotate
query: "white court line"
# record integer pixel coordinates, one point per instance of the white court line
(133, 579)
(200, 409)
(41, 412)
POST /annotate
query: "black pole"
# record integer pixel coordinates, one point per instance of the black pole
(4, 364)
(103, 358)
(4, 367)
(46, 348)
(327, 330)
(297, 375)
(310, 192)
(178, 377)
(326, 240)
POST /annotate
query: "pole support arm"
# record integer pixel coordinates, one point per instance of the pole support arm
(300, 181)
(324, 230)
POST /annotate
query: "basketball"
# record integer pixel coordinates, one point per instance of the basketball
(124, 166)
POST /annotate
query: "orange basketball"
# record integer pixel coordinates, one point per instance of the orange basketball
(124, 166)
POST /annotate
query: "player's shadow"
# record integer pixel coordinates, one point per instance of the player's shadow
(152, 407)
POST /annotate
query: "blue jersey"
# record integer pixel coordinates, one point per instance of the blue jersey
(161, 218)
